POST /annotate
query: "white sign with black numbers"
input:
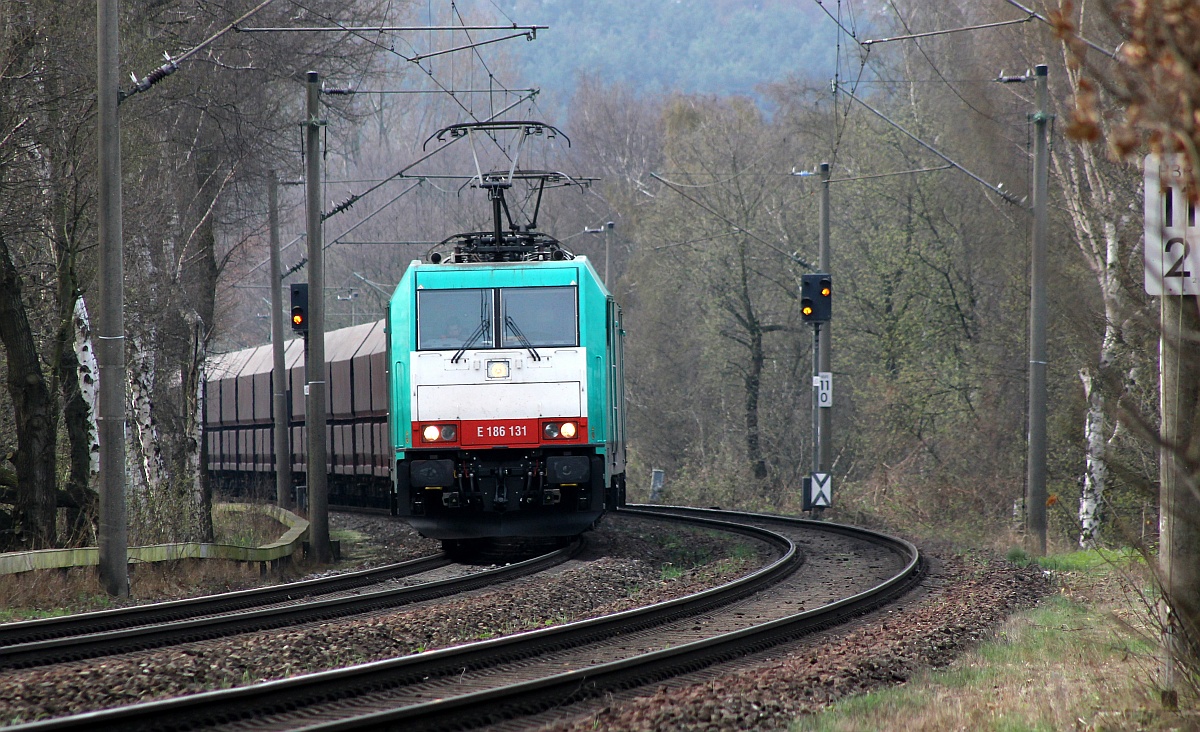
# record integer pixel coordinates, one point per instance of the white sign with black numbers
(1172, 251)
(824, 386)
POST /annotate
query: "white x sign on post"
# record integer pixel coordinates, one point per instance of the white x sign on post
(822, 490)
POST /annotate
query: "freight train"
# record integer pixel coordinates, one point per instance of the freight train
(488, 403)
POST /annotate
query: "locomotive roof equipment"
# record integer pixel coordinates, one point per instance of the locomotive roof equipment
(509, 240)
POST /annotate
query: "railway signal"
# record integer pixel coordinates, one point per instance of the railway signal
(816, 294)
(300, 307)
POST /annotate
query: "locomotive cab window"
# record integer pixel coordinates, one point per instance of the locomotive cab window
(514, 317)
(452, 319)
(538, 317)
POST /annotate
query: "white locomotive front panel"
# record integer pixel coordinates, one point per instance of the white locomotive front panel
(498, 398)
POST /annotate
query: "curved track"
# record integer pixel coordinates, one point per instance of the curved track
(88, 635)
(165, 612)
(846, 571)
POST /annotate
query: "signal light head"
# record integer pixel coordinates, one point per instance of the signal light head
(300, 307)
(816, 295)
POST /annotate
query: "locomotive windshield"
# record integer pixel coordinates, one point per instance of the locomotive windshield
(514, 317)
(538, 316)
(454, 318)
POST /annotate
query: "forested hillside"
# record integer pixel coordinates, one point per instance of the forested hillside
(663, 46)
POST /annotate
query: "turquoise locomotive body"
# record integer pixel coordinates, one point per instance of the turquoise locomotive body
(506, 398)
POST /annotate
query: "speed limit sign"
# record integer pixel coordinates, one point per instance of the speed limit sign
(823, 386)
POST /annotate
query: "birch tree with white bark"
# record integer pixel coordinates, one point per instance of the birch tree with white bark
(1099, 198)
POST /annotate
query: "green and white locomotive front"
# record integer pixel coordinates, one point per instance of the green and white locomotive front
(505, 398)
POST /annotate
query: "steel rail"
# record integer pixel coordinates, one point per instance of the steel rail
(194, 629)
(498, 704)
(902, 547)
(224, 707)
(29, 631)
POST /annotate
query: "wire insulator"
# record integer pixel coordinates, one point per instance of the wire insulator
(156, 76)
(344, 205)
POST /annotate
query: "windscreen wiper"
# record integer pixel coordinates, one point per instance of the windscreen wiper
(512, 326)
(484, 327)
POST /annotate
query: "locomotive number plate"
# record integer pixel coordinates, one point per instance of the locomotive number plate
(500, 432)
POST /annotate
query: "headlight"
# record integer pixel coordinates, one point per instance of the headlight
(497, 369)
(439, 433)
(559, 430)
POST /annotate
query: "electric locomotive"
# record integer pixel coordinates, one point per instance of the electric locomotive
(506, 396)
(506, 411)
(498, 370)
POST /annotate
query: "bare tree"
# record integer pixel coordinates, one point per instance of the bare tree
(44, 221)
(36, 497)
(209, 134)
(720, 223)
(1153, 78)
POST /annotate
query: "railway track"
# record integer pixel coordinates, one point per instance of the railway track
(90, 635)
(840, 572)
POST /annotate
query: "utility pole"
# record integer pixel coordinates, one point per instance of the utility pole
(607, 231)
(816, 407)
(1179, 534)
(1035, 491)
(113, 538)
(283, 457)
(314, 366)
(1173, 275)
(825, 420)
(607, 237)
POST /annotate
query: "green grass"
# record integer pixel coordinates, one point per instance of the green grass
(1087, 561)
(671, 572)
(11, 616)
(348, 537)
(245, 528)
(684, 552)
(743, 553)
(355, 544)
